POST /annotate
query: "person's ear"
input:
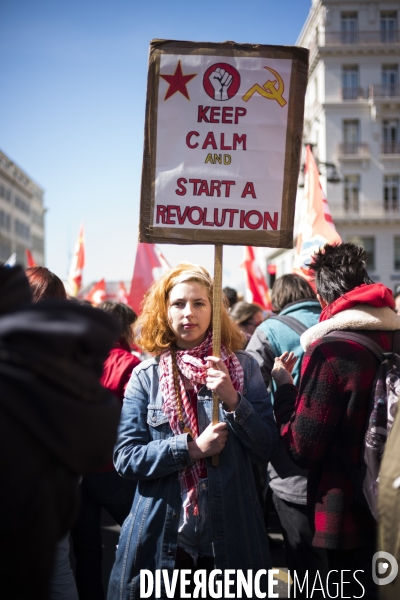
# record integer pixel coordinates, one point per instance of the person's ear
(322, 302)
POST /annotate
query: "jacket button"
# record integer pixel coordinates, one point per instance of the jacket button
(170, 553)
(154, 418)
(175, 515)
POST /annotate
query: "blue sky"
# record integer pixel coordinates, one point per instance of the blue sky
(73, 88)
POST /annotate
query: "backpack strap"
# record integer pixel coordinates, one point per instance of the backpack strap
(291, 322)
(360, 339)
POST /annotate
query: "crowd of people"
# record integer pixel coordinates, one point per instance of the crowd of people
(87, 425)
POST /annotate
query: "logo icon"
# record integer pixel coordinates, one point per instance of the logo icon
(221, 81)
(380, 568)
(177, 82)
(268, 90)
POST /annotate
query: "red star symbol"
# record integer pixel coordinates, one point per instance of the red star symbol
(177, 82)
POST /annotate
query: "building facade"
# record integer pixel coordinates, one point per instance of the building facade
(21, 214)
(352, 119)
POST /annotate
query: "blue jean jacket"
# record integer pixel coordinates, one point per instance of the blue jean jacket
(147, 450)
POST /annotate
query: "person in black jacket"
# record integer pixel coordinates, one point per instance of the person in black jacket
(56, 422)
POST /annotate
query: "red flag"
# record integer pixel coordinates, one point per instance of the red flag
(30, 261)
(77, 264)
(256, 286)
(316, 224)
(97, 293)
(122, 295)
(148, 258)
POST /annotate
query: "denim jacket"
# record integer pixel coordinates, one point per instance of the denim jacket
(147, 450)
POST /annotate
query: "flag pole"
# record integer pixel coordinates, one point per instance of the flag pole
(216, 324)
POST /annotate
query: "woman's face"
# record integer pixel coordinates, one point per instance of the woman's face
(189, 313)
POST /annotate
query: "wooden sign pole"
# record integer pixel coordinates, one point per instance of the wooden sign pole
(217, 303)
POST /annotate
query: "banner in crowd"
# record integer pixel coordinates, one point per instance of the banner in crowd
(316, 226)
(256, 287)
(222, 149)
(122, 294)
(74, 283)
(30, 261)
(149, 265)
(97, 293)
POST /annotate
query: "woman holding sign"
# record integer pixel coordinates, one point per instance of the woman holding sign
(186, 513)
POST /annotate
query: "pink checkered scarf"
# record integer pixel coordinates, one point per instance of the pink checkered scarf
(192, 366)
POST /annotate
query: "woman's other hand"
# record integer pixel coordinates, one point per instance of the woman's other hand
(211, 441)
(283, 368)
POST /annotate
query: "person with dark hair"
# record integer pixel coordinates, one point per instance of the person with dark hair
(323, 422)
(289, 289)
(248, 317)
(231, 296)
(125, 316)
(45, 284)
(298, 308)
(56, 422)
(105, 489)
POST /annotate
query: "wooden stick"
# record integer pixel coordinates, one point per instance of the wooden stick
(217, 303)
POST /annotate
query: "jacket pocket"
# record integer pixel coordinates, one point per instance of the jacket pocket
(158, 422)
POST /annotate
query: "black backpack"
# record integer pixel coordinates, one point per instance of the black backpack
(384, 397)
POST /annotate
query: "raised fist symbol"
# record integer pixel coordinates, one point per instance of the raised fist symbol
(220, 80)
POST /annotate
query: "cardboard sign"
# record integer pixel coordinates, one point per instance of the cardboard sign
(223, 138)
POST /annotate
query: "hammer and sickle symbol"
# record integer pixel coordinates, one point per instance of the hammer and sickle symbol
(268, 90)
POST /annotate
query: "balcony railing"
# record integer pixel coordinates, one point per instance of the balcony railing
(390, 148)
(352, 93)
(376, 210)
(390, 90)
(391, 206)
(338, 38)
(351, 207)
(354, 149)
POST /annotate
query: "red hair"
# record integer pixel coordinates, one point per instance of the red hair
(45, 285)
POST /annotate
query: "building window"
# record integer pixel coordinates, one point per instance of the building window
(351, 137)
(368, 243)
(390, 80)
(22, 230)
(37, 219)
(349, 28)
(390, 137)
(391, 193)
(350, 89)
(388, 27)
(22, 205)
(397, 253)
(5, 193)
(5, 221)
(351, 193)
(5, 248)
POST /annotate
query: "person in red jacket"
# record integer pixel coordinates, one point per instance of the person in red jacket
(120, 362)
(323, 423)
(105, 489)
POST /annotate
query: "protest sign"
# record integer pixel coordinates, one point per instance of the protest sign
(223, 139)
